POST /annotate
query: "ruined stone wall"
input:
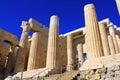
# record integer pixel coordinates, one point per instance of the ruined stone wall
(61, 57)
(3, 56)
(108, 73)
(5, 42)
(43, 49)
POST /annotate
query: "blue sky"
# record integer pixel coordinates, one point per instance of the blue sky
(70, 12)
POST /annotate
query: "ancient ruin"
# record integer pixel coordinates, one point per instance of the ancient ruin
(88, 53)
(118, 4)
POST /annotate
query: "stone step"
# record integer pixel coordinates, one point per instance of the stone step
(53, 77)
(64, 76)
(101, 62)
(33, 73)
(69, 75)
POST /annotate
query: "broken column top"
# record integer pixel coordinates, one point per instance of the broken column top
(24, 23)
(54, 17)
(54, 20)
(89, 6)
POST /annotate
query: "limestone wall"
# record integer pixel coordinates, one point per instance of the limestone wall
(7, 41)
(61, 56)
(3, 56)
(109, 73)
(42, 49)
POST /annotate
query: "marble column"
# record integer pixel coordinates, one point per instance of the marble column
(80, 53)
(118, 41)
(112, 33)
(52, 42)
(28, 51)
(118, 5)
(92, 40)
(104, 39)
(84, 48)
(70, 56)
(87, 49)
(33, 61)
(20, 61)
(111, 44)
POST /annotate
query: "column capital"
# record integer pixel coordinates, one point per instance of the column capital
(92, 39)
(54, 20)
(26, 26)
(89, 6)
(70, 35)
(111, 29)
(103, 23)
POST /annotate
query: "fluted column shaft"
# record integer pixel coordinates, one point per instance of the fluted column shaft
(70, 57)
(112, 33)
(111, 44)
(93, 39)
(20, 61)
(118, 5)
(87, 48)
(84, 48)
(104, 39)
(80, 53)
(118, 41)
(33, 61)
(52, 42)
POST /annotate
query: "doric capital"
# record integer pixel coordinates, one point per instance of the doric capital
(88, 7)
(26, 26)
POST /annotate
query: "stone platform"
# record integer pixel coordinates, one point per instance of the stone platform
(101, 62)
(103, 68)
(33, 73)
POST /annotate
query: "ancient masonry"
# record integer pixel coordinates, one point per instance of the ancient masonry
(88, 53)
(118, 4)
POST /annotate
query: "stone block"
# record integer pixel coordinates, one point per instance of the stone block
(82, 76)
(92, 72)
(101, 70)
(103, 75)
(88, 77)
(109, 78)
(113, 68)
(110, 68)
(102, 79)
(96, 77)
(110, 73)
(116, 78)
(116, 67)
(117, 73)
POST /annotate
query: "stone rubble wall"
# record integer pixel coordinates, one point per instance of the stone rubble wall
(108, 73)
(5, 48)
